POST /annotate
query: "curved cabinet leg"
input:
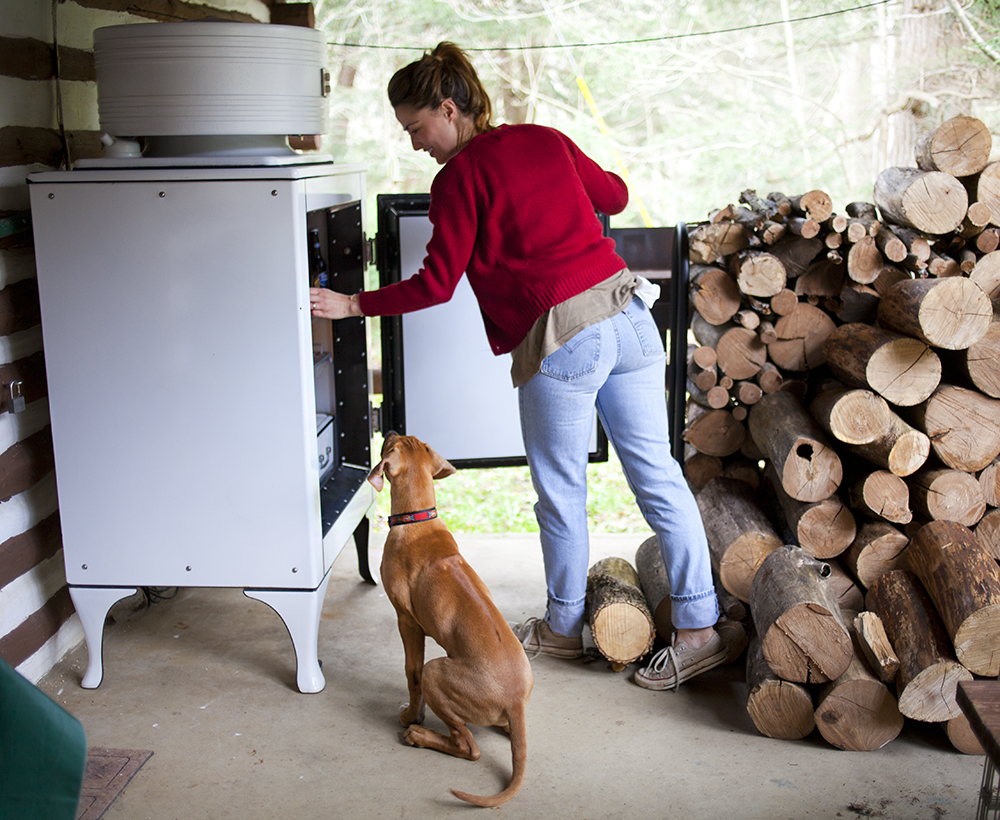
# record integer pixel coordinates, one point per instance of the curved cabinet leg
(92, 605)
(300, 609)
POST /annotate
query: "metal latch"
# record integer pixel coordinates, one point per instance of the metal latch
(324, 82)
(15, 403)
(369, 251)
(375, 414)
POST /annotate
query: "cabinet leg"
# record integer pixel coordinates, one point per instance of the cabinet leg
(300, 609)
(92, 605)
(361, 543)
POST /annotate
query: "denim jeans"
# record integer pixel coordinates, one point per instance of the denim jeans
(619, 364)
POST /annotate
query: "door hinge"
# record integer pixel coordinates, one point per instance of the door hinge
(375, 413)
(369, 250)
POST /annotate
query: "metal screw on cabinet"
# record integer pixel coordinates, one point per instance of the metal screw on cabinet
(52, 196)
(84, 566)
(295, 569)
(162, 194)
(188, 568)
(274, 193)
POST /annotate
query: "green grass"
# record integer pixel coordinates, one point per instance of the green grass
(501, 500)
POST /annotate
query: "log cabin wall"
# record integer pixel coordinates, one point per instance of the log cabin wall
(50, 121)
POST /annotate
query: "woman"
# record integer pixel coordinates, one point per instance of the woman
(513, 207)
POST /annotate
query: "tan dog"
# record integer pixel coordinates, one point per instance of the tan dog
(485, 678)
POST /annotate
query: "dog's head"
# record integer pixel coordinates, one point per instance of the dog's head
(406, 452)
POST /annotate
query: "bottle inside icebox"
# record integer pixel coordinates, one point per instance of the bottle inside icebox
(318, 277)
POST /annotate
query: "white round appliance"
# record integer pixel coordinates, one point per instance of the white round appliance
(204, 87)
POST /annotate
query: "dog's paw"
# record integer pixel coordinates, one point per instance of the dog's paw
(415, 735)
(409, 715)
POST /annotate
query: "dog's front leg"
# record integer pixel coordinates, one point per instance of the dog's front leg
(413, 649)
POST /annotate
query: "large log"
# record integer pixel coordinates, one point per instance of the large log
(986, 274)
(953, 313)
(799, 338)
(963, 426)
(928, 201)
(740, 353)
(864, 261)
(946, 494)
(716, 433)
(980, 363)
(803, 635)
(901, 369)
(740, 536)
(988, 532)
(616, 610)
(853, 416)
(714, 293)
(655, 584)
(902, 450)
(857, 712)
(963, 581)
(808, 468)
(758, 273)
(778, 708)
(878, 548)
(796, 254)
(988, 189)
(928, 670)
(881, 494)
(823, 528)
(712, 241)
(960, 146)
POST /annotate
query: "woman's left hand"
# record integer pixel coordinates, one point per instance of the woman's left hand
(328, 304)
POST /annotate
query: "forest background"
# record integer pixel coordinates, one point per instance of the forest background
(691, 102)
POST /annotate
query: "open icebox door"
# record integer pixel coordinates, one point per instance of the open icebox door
(440, 380)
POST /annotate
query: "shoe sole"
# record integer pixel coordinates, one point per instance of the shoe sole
(687, 673)
(553, 652)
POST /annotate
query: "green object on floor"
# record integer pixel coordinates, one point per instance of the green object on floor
(43, 753)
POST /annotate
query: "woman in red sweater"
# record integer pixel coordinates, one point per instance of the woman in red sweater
(513, 208)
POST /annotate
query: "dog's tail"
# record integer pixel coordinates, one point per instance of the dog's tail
(518, 726)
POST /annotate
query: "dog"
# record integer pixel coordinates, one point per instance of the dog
(486, 677)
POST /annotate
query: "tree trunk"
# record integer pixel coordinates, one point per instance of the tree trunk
(878, 548)
(945, 494)
(620, 621)
(963, 426)
(856, 712)
(808, 468)
(874, 644)
(963, 581)
(952, 313)
(928, 201)
(853, 416)
(739, 535)
(655, 584)
(803, 635)
(928, 671)
(778, 708)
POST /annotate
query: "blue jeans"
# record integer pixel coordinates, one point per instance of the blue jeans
(619, 364)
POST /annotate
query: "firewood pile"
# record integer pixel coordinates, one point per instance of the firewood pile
(842, 440)
(843, 434)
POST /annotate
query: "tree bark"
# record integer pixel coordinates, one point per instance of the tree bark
(803, 635)
(928, 671)
(655, 584)
(740, 536)
(952, 313)
(903, 370)
(963, 581)
(988, 533)
(621, 624)
(928, 201)
(808, 468)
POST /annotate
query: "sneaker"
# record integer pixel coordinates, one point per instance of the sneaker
(537, 638)
(672, 666)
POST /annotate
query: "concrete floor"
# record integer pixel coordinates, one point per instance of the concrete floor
(206, 681)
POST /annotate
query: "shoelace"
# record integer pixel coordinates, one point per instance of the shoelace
(661, 659)
(526, 632)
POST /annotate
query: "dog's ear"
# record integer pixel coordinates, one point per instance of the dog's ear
(375, 477)
(440, 467)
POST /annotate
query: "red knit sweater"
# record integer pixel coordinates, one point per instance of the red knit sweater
(514, 210)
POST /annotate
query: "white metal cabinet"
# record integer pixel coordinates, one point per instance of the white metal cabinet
(182, 374)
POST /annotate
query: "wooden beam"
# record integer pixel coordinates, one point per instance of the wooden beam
(29, 59)
(166, 10)
(21, 552)
(26, 145)
(31, 634)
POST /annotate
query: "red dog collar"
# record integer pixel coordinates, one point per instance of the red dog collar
(413, 517)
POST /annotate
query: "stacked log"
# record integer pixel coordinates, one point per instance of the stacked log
(873, 339)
